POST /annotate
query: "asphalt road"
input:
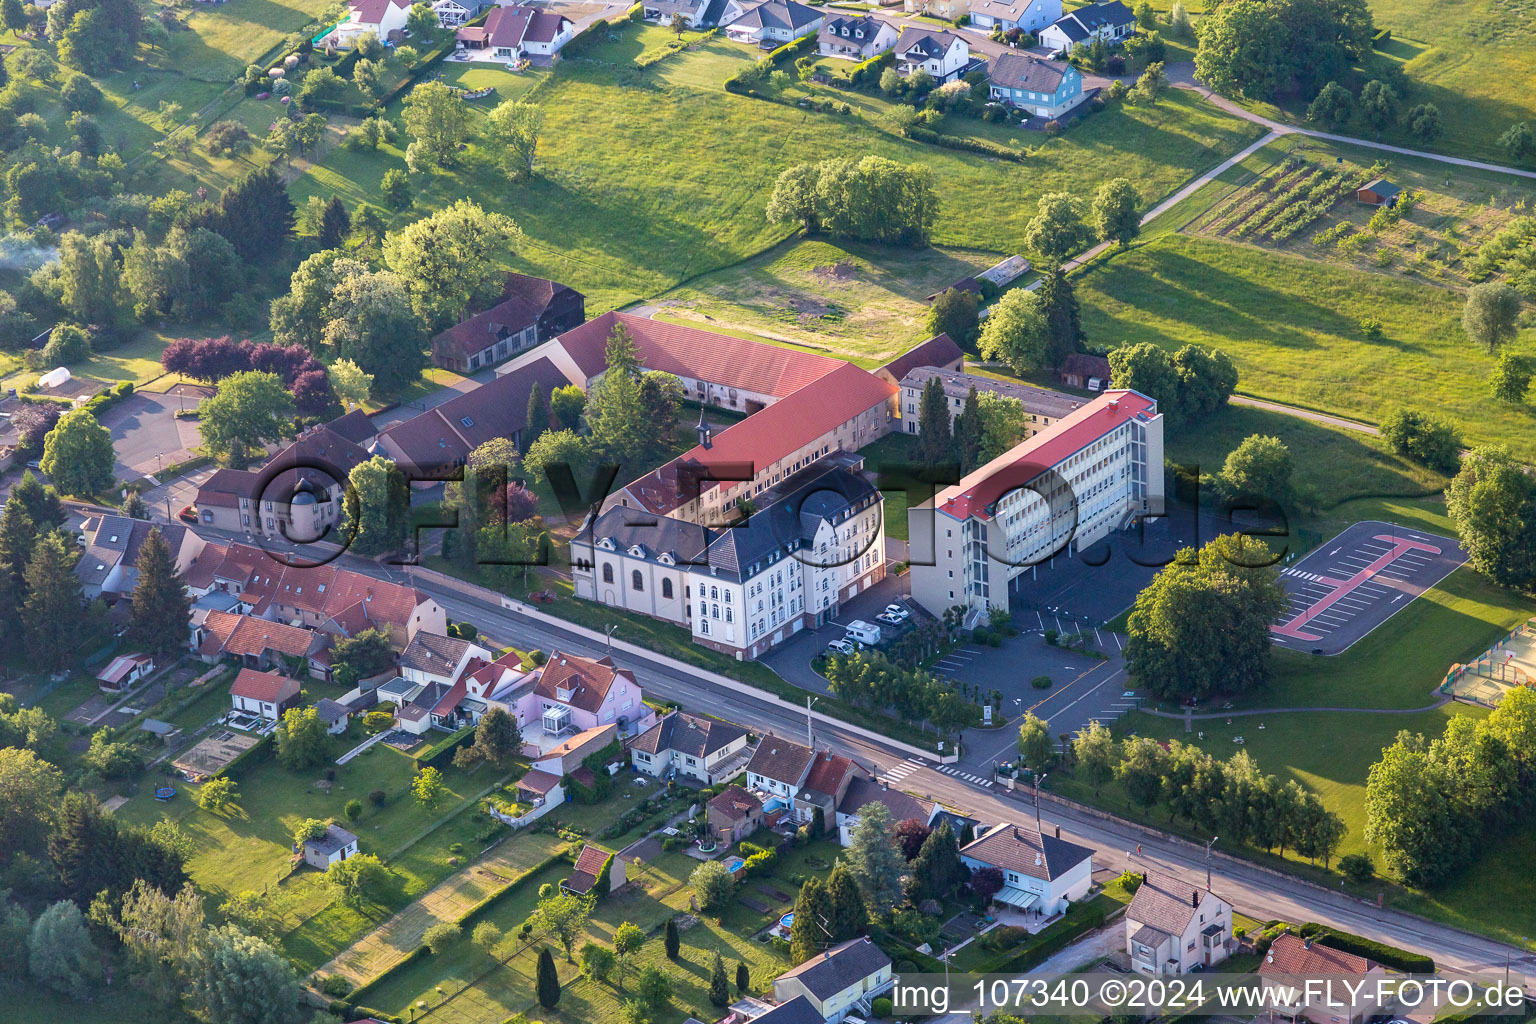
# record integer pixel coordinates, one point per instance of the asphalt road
(1255, 891)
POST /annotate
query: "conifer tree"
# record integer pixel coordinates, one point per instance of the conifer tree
(161, 607)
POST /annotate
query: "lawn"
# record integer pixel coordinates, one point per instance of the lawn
(647, 179)
(219, 40)
(463, 986)
(863, 303)
(1292, 327)
(121, 1004)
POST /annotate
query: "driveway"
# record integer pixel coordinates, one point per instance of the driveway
(791, 660)
(147, 436)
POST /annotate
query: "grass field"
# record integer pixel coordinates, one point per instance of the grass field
(860, 302)
(647, 179)
(1292, 327)
(219, 40)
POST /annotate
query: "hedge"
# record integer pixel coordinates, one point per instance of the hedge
(444, 749)
(792, 49)
(981, 146)
(99, 404)
(1387, 956)
(243, 761)
(868, 71)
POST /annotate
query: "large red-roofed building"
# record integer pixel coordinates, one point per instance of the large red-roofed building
(1059, 490)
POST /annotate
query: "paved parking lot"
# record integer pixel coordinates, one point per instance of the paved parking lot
(1355, 582)
(146, 435)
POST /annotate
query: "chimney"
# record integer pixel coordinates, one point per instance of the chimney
(1194, 898)
(1306, 943)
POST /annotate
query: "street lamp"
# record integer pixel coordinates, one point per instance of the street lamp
(1038, 779)
(1208, 862)
(608, 632)
(810, 739)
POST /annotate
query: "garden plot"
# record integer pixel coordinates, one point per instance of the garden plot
(1305, 204)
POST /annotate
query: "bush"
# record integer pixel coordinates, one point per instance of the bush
(336, 985)
(1387, 956)
(882, 1006)
(1051, 636)
(377, 797)
(440, 936)
(1357, 867)
(1370, 328)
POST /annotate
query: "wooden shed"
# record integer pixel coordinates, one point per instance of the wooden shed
(1379, 192)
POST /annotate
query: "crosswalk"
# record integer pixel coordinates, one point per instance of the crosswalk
(1310, 577)
(976, 780)
(897, 772)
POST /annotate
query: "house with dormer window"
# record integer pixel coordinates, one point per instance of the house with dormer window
(943, 55)
(1040, 872)
(854, 38)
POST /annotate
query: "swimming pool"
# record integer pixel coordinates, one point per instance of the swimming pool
(788, 920)
(734, 864)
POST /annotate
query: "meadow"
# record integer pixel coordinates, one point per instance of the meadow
(649, 178)
(1293, 327)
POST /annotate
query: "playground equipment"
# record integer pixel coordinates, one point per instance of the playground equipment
(1509, 663)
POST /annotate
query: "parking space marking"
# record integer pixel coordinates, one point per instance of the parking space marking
(1308, 623)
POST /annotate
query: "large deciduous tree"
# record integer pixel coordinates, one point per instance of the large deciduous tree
(1492, 504)
(451, 260)
(1056, 232)
(250, 410)
(1490, 315)
(78, 455)
(377, 507)
(1017, 333)
(1115, 217)
(437, 120)
(513, 127)
(1202, 625)
(243, 980)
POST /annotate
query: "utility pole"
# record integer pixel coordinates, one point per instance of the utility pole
(810, 738)
(1038, 779)
(1208, 862)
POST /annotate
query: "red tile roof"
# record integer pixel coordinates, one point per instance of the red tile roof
(699, 355)
(248, 635)
(539, 782)
(450, 700)
(263, 686)
(1290, 954)
(371, 12)
(767, 436)
(939, 350)
(352, 600)
(226, 487)
(827, 773)
(588, 680)
(1039, 452)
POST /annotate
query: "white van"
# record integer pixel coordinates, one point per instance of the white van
(863, 632)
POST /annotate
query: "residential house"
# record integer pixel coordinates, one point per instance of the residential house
(974, 540)
(264, 694)
(1291, 958)
(383, 18)
(854, 37)
(944, 55)
(539, 788)
(704, 749)
(1040, 872)
(355, 426)
(825, 785)
(512, 34)
(769, 23)
(123, 671)
(528, 311)
(1085, 372)
(1042, 407)
(108, 565)
(1006, 15)
(1044, 88)
(862, 792)
(716, 369)
(435, 658)
(945, 10)
(258, 643)
(337, 844)
(1172, 926)
(798, 1010)
(334, 714)
(842, 980)
(433, 444)
(298, 496)
(1109, 20)
(778, 769)
(570, 694)
(584, 876)
(733, 814)
(565, 759)
(939, 352)
(453, 13)
(813, 542)
(665, 12)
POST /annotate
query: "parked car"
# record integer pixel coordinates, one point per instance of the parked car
(188, 515)
(840, 647)
(899, 612)
(889, 619)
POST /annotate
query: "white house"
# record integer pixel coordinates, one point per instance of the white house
(841, 980)
(109, 564)
(779, 767)
(1040, 872)
(380, 17)
(515, 34)
(435, 658)
(264, 694)
(770, 22)
(862, 792)
(453, 13)
(1172, 926)
(337, 844)
(664, 12)
(1028, 15)
(701, 748)
(852, 37)
(1110, 21)
(943, 55)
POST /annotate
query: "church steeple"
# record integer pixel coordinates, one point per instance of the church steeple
(706, 432)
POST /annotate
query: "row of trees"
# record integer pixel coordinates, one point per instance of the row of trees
(1230, 798)
(1432, 804)
(1259, 49)
(988, 426)
(1188, 384)
(211, 360)
(872, 199)
(868, 679)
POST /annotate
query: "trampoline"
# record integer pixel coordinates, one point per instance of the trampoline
(165, 793)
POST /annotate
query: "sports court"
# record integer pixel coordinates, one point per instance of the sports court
(1350, 585)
